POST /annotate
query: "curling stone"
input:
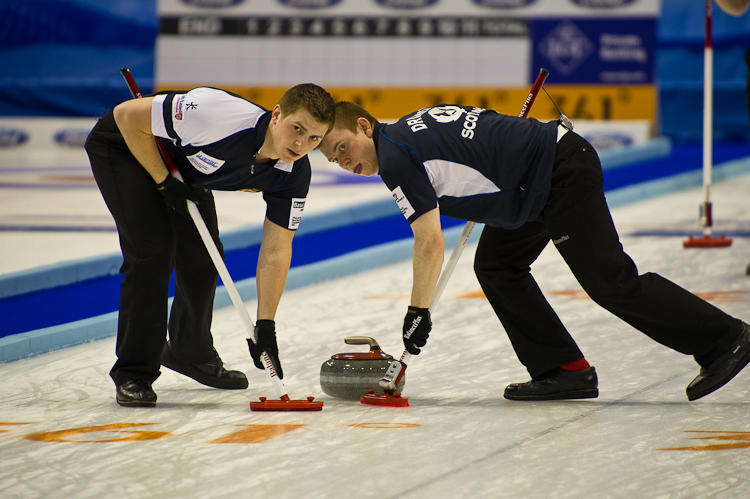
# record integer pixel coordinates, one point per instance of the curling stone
(348, 376)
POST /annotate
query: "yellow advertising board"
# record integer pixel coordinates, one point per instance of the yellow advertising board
(579, 102)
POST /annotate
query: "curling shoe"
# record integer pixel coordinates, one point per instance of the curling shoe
(722, 370)
(136, 393)
(557, 384)
(213, 374)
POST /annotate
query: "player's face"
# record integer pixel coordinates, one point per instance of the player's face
(295, 134)
(352, 152)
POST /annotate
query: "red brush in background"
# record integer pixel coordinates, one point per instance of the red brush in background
(707, 240)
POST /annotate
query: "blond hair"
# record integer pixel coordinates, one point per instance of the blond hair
(347, 114)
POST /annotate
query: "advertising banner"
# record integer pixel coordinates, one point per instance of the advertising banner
(396, 56)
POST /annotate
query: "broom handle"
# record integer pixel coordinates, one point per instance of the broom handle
(213, 251)
(469, 227)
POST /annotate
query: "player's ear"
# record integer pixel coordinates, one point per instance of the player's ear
(275, 113)
(365, 126)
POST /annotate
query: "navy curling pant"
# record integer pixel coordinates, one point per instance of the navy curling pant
(155, 240)
(576, 218)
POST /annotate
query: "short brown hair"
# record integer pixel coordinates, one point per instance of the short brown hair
(313, 99)
(347, 114)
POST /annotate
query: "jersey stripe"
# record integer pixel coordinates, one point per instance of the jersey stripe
(167, 108)
(457, 180)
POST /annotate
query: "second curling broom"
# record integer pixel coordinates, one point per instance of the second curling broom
(397, 369)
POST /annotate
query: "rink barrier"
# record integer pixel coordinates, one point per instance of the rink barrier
(67, 273)
(675, 183)
(625, 156)
(22, 345)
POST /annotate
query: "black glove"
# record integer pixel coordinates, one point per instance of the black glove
(265, 334)
(177, 193)
(417, 327)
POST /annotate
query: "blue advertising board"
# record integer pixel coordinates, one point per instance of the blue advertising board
(600, 51)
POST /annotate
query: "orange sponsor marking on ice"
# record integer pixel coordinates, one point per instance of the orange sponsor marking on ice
(473, 294)
(62, 435)
(734, 296)
(256, 433)
(573, 294)
(384, 425)
(4, 424)
(741, 438)
(579, 294)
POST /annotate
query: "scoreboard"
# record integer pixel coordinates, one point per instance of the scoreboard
(396, 56)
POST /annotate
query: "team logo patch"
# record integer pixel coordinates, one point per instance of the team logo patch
(205, 163)
(446, 114)
(178, 108)
(402, 202)
(295, 213)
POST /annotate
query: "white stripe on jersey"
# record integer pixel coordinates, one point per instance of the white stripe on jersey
(457, 180)
(157, 117)
(204, 115)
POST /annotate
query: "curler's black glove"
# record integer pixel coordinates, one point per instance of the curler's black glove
(417, 327)
(265, 334)
(177, 193)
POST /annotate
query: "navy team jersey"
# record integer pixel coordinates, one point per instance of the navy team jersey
(475, 164)
(214, 135)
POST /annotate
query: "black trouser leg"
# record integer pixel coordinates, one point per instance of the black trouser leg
(147, 243)
(195, 285)
(502, 262)
(153, 239)
(578, 219)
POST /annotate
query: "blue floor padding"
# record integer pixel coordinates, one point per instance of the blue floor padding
(684, 157)
(61, 305)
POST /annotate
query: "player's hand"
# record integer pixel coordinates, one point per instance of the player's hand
(265, 335)
(176, 194)
(417, 327)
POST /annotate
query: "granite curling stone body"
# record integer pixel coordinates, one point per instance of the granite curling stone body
(349, 375)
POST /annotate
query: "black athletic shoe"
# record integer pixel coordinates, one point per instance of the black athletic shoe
(557, 384)
(722, 370)
(136, 393)
(213, 375)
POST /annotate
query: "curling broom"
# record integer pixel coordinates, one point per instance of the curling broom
(397, 369)
(284, 403)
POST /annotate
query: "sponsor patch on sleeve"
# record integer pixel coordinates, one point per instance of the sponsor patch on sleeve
(205, 163)
(402, 202)
(295, 213)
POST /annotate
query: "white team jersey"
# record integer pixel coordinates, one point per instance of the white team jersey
(203, 116)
